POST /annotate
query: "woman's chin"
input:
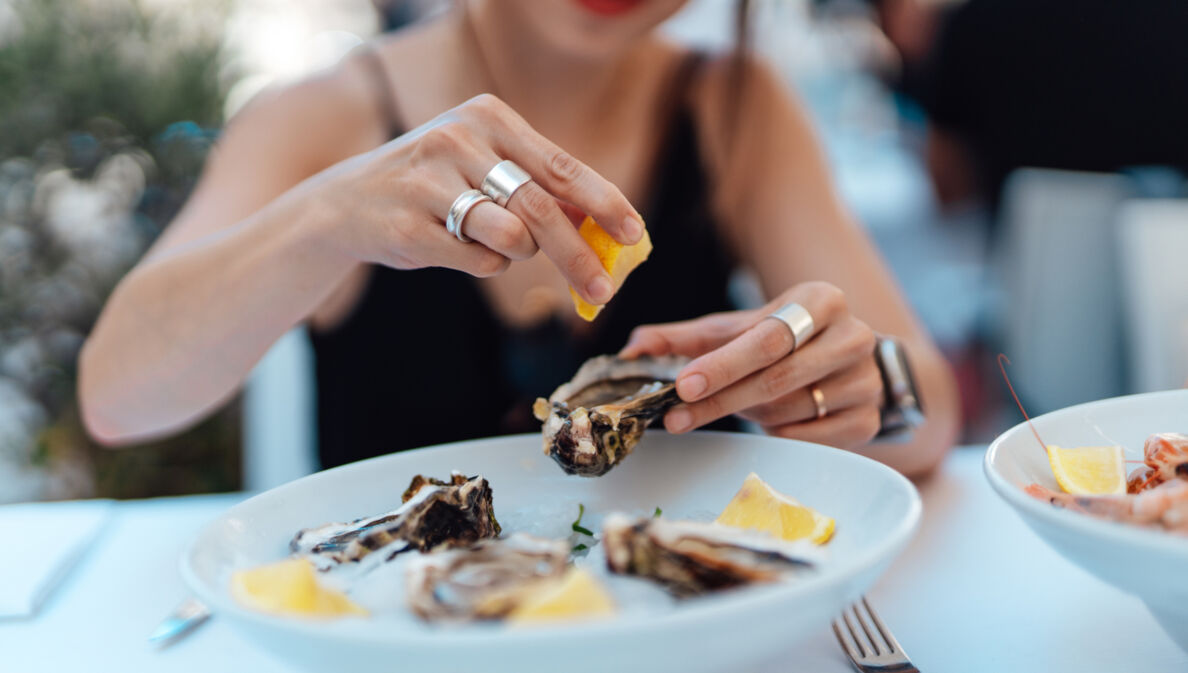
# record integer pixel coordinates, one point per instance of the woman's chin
(592, 30)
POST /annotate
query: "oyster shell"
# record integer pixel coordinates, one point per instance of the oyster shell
(434, 513)
(485, 581)
(693, 557)
(595, 420)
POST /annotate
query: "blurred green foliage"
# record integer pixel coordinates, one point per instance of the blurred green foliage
(65, 62)
(107, 111)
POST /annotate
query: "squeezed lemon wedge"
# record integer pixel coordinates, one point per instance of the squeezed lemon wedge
(759, 506)
(1089, 470)
(290, 588)
(617, 259)
(577, 595)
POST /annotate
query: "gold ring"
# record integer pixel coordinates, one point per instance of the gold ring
(819, 400)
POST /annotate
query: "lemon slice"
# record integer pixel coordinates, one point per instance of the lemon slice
(289, 587)
(759, 506)
(1089, 470)
(577, 595)
(619, 260)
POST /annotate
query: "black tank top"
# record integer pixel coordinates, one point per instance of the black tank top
(423, 359)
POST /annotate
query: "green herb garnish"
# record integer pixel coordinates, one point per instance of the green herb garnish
(577, 524)
(657, 513)
(579, 547)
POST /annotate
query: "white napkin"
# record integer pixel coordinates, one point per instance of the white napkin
(50, 538)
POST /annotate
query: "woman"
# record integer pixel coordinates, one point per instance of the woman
(324, 204)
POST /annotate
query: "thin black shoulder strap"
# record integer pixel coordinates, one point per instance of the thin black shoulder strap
(675, 120)
(686, 75)
(384, 95)
(675, 107)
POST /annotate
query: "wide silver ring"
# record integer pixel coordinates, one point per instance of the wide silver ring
(503, 181)
(460, 209)
(797, 318)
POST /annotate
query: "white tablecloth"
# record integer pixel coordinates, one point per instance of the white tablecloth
(975, 591)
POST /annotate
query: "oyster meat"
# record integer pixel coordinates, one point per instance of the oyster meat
(693, 557)
(434, 513)
(594, 421)
(485, 581)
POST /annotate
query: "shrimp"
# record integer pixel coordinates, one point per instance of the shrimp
(1136, 481)
(1165, 506)
(1156, 492)
(1167, 456)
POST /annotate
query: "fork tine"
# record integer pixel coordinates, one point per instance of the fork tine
(845, 644)
(874, 642)
(883, 630)
(853, 633)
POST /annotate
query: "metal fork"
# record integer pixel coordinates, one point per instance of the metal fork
(180, 623)
(878, 652)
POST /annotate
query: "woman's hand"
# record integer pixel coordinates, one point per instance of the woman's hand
(393, 201)
(744, 365)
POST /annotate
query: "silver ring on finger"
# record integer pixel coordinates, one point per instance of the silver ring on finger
(460, 209)
(797, 318)
(503, 180)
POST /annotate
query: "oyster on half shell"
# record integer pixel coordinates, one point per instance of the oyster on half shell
(694, 557)
(485, 581)
(595, 420)
(435, 512)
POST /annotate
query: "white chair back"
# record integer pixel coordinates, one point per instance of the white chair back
(1060, 310)
(1153, 242)
(279, 427)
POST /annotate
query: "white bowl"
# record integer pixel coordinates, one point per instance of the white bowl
(876, 509)
(1147, 563)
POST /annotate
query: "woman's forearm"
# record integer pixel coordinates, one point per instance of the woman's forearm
(183, 330)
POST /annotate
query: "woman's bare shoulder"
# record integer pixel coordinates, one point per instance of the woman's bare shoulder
(318, 119)
(341, 110)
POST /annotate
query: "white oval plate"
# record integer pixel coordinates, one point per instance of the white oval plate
(876, 509)
(1147, 563)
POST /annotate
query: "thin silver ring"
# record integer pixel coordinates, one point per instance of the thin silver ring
(797, 318)
(460, 209)
(503, 180)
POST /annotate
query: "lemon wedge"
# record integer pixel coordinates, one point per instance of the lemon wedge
(1089, 470)
(619, 260)
(290, 587)
(577, 595)
(759, 506)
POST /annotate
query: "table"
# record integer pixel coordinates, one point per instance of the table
(975, 591)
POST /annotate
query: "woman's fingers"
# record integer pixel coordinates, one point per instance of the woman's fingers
(476, 260)
(531, 219)
(463, 146)
(438, 247)
(690, 338)
(763, 344)
(560, 242)
(811, 363)
(843, 345)
(504, 135)
(848, 429)
(500, 230)
(860, 385)
(558, 172)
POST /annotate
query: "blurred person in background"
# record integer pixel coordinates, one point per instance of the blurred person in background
(324, 201)
(1089, 85)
